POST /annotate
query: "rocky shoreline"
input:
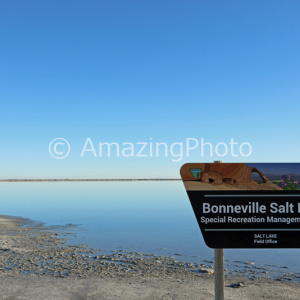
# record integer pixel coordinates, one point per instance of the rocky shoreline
(36, 250)
(32, 252)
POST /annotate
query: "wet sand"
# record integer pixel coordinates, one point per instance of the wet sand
(36, 263)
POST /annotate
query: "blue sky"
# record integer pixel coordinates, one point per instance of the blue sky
(128, 71)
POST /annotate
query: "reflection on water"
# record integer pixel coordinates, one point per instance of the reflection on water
(150, 217)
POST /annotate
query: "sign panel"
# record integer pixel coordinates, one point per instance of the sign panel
(239, 205)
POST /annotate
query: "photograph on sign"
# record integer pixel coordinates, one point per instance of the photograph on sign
(245, 205)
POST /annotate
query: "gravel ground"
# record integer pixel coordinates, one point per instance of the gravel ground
(36, 263)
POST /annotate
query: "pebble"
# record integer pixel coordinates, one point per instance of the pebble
(206, 271)
(237, 285)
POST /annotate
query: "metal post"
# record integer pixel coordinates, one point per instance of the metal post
(219, 274)
(219, 269)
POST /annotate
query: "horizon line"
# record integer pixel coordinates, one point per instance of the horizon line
(86, 179)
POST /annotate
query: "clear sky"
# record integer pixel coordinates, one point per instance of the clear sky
(128, 71)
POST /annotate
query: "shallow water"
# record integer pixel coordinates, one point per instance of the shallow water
(150, 217)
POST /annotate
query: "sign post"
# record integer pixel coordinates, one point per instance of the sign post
(219, 271)
(219, 274)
